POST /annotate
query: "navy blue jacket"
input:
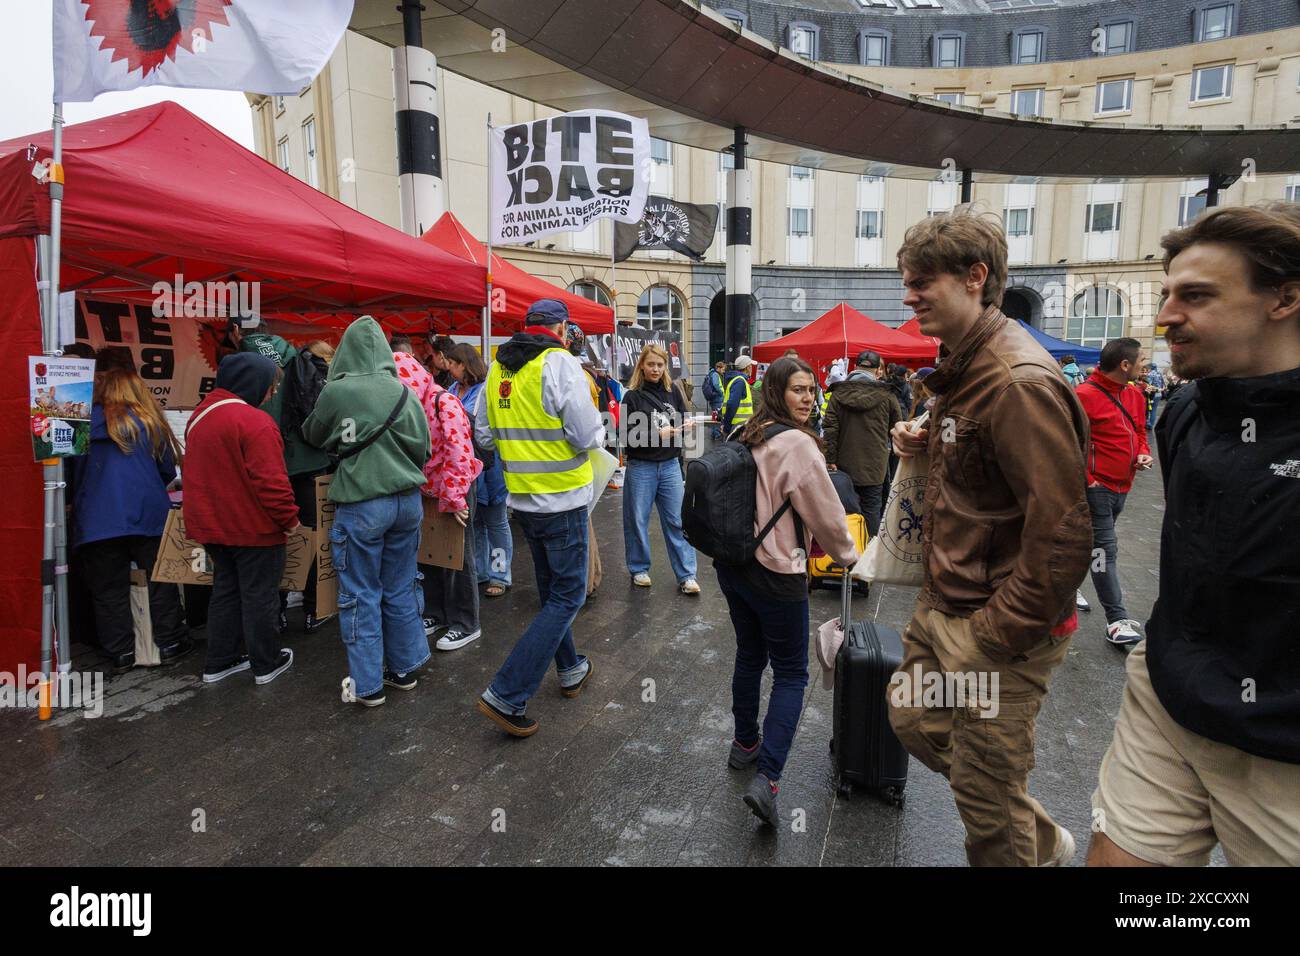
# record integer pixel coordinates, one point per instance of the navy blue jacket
(113, 494)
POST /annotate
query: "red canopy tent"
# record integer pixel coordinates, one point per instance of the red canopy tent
(157, 192)
(519, 289)
(844, 331)
(913, 327)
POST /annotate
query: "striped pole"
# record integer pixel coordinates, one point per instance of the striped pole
(739, 252)
(419, 144)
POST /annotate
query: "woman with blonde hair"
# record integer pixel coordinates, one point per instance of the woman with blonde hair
(653, 422)
(119, 508)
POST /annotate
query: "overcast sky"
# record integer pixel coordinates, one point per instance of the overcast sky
(27, 82)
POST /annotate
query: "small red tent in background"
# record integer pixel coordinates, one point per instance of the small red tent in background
(844, 331)
(152, 193)
(514, 290)
(913, 327)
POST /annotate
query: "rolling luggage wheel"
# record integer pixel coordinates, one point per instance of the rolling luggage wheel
(895, 797)
(844, 789)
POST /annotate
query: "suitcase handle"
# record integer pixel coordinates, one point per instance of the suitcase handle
(846, 601)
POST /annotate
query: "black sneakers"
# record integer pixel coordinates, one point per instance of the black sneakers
(520, 726)
(576, 689)
(175, 651)
(400, 681)
(283, 664)
(239, 666)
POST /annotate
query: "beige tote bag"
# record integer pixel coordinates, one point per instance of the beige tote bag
(893, 556)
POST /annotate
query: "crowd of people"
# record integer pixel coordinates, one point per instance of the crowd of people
(1030, 462)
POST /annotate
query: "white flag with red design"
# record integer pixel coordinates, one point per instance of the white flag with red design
(252, 46)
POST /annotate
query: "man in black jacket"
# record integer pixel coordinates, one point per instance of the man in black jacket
(1207, 742)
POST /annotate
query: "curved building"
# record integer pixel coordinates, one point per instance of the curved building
(1084, 255)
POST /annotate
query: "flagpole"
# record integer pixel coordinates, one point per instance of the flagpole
(487, 307)
(613, 275)
(54, 583)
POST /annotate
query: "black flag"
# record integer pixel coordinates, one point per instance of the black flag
(667, 224)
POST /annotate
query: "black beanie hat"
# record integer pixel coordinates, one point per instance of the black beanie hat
(248, 375)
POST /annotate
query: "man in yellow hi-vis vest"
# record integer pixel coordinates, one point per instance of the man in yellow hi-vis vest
(538, 415)
(737, 397)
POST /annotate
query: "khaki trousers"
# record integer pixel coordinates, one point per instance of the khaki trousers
(985, 747)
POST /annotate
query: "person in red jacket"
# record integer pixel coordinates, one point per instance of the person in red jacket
(1117, 450)
(239, 505)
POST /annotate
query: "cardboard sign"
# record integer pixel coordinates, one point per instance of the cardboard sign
(184, 561)
(327, 579)
(442, 539)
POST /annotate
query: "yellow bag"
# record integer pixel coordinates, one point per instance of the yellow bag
(822, 567)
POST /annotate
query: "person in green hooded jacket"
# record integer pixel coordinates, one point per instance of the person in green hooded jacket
(371, 423)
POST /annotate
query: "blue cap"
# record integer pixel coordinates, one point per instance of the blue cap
(923, 372)
(547, 312)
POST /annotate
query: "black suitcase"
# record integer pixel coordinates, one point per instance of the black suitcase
(866, 751)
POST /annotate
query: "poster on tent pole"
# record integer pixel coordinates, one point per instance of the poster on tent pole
(62, 391)
(563, 173)
(619, 352)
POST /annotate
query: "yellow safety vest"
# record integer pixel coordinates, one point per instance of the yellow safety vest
(536, 457)
(745, 410)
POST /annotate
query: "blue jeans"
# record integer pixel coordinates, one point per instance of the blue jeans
(559, 546)
(494, 549)
(380, 603)
(657, 483)
(1106, 506)
(766, 631)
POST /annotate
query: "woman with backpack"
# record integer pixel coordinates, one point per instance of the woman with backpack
(768, 595)
(652, 420)
(493, 546)
(119, 507)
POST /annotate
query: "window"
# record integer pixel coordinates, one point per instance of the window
(930, 4)
(1292, 192)
(1215, 21)
(948, 49)
(1112, 37)
(279, 105)
(800, 172)
(1096, 317)
(1102, 217)
(1028, 46)
(1212, 83)
(282, 153)
(873, 48)
(1114, 96)
(953, 97)
(726, 162)
(309, 143)
(1027, 102)
(1189, 207)
(864, 178)
(660, 309)
(591, 290)
(737, 18)
(800, 222)
(661, 151)
(868, 224)
(802, 40)
(1020, 222)
(876, 3)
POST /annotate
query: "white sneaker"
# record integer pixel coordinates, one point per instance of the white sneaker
(1064, 848)
(294, 599)
(641, 580)
(454, 639)
(350, 695)
(1123, 632)
(1081, 602)
(690, 586)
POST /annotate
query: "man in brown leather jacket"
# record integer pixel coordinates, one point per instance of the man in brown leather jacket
(1007, 539)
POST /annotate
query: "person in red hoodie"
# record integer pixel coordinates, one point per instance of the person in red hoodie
(239, 505)
(1117, 450)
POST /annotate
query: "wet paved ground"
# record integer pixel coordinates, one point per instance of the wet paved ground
(287, 774)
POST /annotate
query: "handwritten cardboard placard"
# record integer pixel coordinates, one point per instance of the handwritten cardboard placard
(442, 539)
(184, 561)
(327, 578)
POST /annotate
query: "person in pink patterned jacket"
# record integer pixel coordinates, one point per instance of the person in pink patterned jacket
(451, 602)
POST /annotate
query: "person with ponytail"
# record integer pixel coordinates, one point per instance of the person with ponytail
(119, 507)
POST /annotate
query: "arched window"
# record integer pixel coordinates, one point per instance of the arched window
(591, 290)
(1096, 317)
(660, 309)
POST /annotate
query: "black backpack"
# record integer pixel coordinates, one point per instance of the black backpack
(720, 499)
